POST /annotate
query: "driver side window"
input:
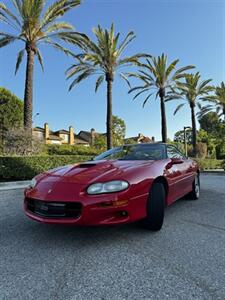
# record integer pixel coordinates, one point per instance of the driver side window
(172, 152)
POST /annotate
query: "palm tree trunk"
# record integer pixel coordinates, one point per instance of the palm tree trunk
(194, 131)
(109, 81)
(224, 113)
(28, 94)
(163, 119)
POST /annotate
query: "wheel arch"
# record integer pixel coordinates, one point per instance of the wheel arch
(163, 180)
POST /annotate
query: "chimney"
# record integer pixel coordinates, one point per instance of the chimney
(46, 132)
(71, 136)
(93, 132)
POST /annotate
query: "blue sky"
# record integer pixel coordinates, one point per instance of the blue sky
(191, 30)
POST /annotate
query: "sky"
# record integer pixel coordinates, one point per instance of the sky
(191, 30)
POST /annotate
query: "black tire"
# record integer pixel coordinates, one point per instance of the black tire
(195, 193)
(155, 207)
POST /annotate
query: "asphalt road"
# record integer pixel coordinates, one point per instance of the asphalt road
(185, 260)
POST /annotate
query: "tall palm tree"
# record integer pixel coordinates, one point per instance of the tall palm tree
(193, 91)
(217, 102)
(103, 58)
(33, 26)
(159, 78)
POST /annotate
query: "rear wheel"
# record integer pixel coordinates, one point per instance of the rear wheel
(194, 195)
(155, 207)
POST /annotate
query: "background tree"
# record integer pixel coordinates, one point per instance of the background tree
(210, 122)
(193, 91)
(212, 125)
(33, 27)
(119, 131)
(130, 141)
(103, 58)
(159, 78)
(11, 113)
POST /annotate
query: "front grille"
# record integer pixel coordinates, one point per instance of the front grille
(54, 209)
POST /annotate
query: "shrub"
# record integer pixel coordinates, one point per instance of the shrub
(201, 150)
(26, 167)
(20, 142)
(207, 164)
(70, 150)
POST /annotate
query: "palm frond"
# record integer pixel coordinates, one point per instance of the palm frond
(99, 82)
(80, 78)
(129, 37)
(178, 108)
(17, 4)
(146, 100)
(19, 59)
(173, 97)
(181, 73)
(6, 40)
(58, 9)
(59, 47)
(40, 59)
(124, 77)
(141, 92)
(7, 15)
(56, 27)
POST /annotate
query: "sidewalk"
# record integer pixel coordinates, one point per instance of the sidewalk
(4, 186)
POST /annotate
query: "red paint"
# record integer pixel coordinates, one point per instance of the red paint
(69, 184)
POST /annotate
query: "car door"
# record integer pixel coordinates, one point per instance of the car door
(178, 173)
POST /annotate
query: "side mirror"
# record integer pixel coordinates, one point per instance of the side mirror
(176, 161)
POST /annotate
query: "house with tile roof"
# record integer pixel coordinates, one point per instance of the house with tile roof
(140, 139)
(64, 137)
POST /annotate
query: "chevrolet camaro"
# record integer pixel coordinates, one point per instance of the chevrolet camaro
(122, 185)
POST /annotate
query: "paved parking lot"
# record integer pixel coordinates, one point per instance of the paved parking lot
(186, 260)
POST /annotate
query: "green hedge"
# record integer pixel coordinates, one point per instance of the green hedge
(24, 168)
(207, 164)
(70, 150)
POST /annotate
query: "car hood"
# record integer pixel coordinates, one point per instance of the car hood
(93, 171)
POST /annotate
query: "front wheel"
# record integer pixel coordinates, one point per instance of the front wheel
(195, 193)
(155, 207)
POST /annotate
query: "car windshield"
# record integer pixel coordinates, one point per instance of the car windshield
(134, 152)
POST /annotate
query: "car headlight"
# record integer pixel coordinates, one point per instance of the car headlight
(107, 187)
(33, 183)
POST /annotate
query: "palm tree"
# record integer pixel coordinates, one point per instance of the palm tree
(103, 58)
(33, 27)
(159, 78)
(193, 91)
(217, 102)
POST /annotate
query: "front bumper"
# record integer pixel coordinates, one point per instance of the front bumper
(104, 212)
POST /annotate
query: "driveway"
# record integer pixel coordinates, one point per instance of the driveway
(185, 260)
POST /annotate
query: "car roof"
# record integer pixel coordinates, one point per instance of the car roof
(143, 144)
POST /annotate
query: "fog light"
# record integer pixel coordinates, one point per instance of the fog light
(124, 213)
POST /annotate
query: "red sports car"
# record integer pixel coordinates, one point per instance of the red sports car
(122, 185)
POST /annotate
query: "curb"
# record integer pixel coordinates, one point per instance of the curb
(14, 185)
(216, 172)
(4, 186)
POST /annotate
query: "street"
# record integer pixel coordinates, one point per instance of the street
(185, 260)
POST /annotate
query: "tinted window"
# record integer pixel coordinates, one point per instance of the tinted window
(173, 152)
(135, 152)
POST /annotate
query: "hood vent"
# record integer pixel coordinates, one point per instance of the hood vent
(86, 165)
